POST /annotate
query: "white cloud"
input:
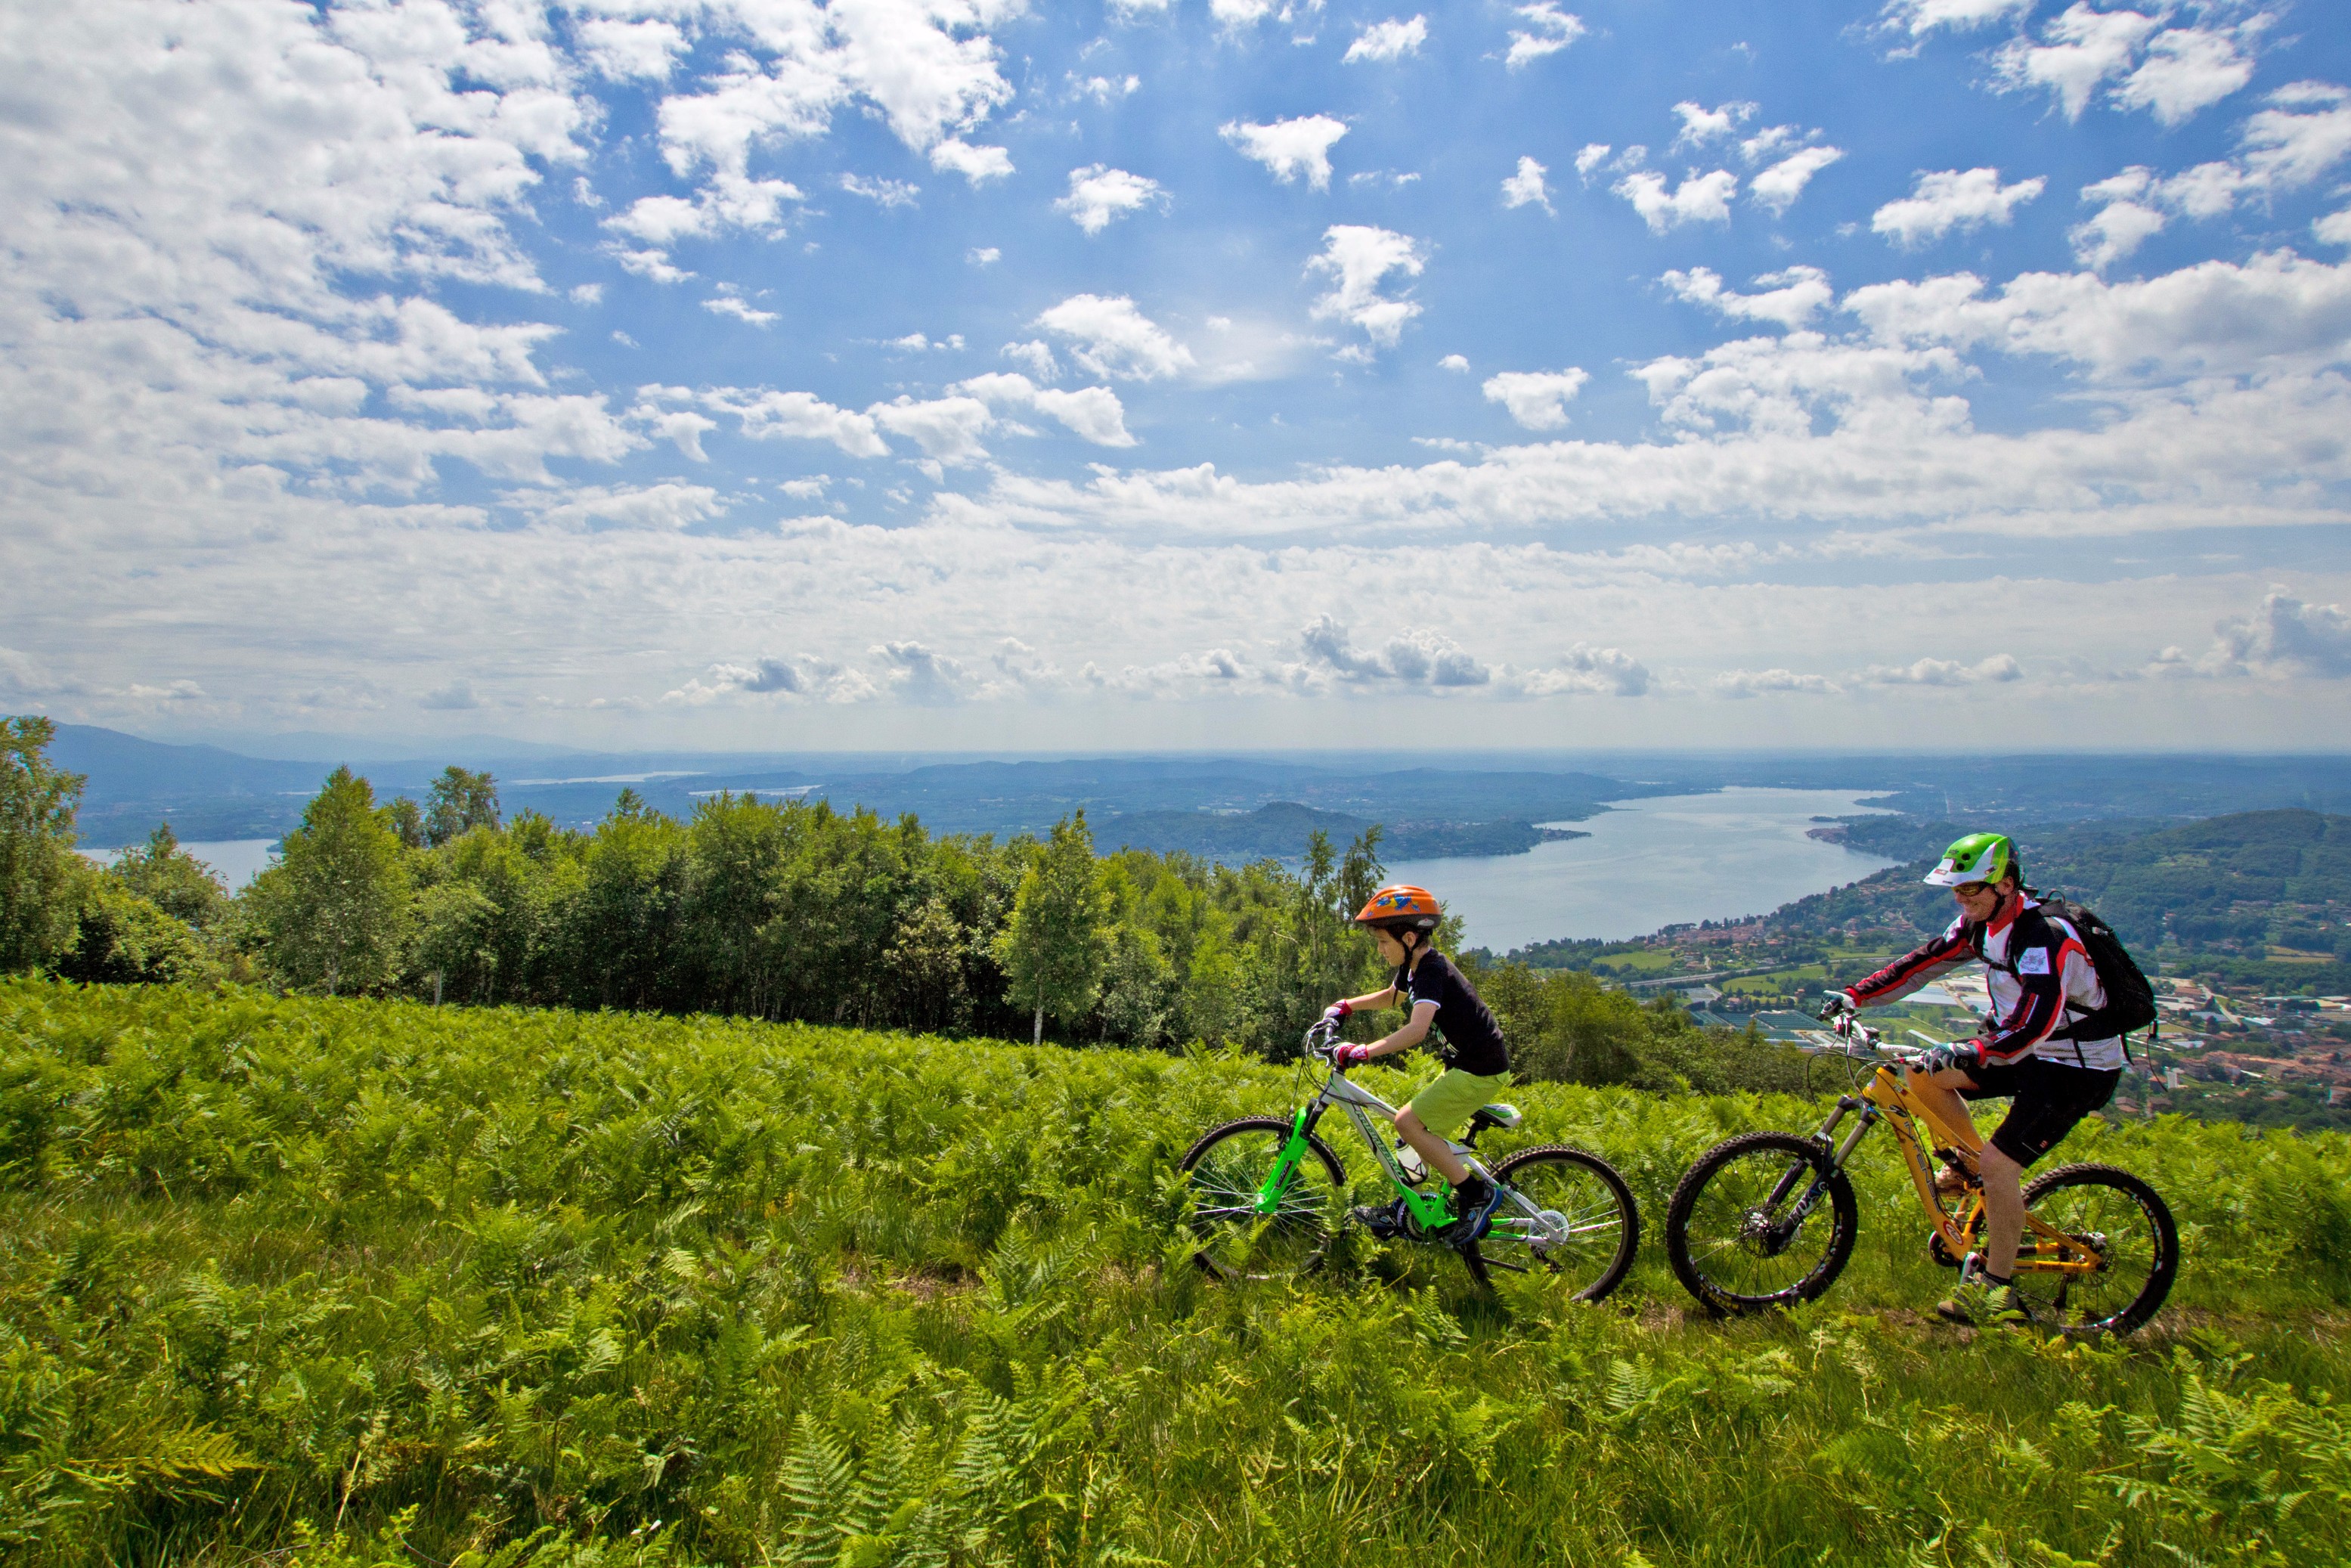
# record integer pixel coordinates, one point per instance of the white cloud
(1536, 398)
(798, 415)
(2285, 150)
(1585, 670)
(1778, 187)
(1110, 337)
(1951, 199)
(1358, 258)
(983, 255)
(2186, 69)
(1996, 669)
(1454, 362)
(883, 192)
(1698, 199)
(1093, 414)
(977, 166)
(631, 51)
(1920, 18)
(1036, 357)
(1741, 685)
(662, 507)
(727, 303)
(1549, 30)
(2286, 636)
(2122, 223)
(1389, 40)
(2080, 49)
(1527, 186)
(457, 696)
(2334, 228)
(948, 429)
(1701, 125)
(1793, 297)
(1289, 148)
(1105, 90)
(1099, 194)
(1412, 657)
(921, 674)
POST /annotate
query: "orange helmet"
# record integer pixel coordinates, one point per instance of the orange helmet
(1400, 906)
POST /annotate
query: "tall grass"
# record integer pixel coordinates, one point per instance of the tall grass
(357, 1283)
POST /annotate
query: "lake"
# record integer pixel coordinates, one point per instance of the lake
(234, 860)
(1649, 863)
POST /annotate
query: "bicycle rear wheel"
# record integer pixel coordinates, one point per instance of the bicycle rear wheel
(1734, 1236)
(1225, 1171)
(2114, 1217)
(1585, 1234)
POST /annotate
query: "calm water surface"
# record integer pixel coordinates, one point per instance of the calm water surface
(1650, 864)
(234, 860)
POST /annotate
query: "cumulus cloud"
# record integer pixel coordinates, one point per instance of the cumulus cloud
(977, 166)
(1411, 658)
(457, 695)
(2283, 638)
(2186, 69)
(2078, 50)
(2172, 72)
(1590, 157)
(631, 51)
(1920, 18)
(1526, 186)
(666, 506)
(1093, 414)
(1698, 199)
(1459, 362)
(1548, 31)
(1701, 125)
(1791, 297)
(1741, 685)
(1585, 670)
(948, 429)
(1777, 187)
(1537, 400)
(1358, 258)
(1110, 337)
(726, 302)
(1289, 148)
(1952, 199)
(1996, 669)
(768, 415)
(1389, 40)
(1099, 193)
(922, 674)
(803, 676)
(883, 193)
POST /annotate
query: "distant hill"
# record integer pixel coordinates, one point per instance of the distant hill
(1280, 832)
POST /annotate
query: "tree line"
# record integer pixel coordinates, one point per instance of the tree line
(786, 910)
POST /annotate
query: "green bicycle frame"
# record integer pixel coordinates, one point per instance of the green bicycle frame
(1432, 1209)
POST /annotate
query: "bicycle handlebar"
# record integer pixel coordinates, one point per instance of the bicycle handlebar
(1871, 1042)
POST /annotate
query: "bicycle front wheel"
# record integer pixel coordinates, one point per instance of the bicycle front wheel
(2102, 1214)
(1586, 1228)
(1227, 1170)
(1760, 1220)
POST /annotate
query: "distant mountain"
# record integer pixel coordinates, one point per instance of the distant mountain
(1280, 832)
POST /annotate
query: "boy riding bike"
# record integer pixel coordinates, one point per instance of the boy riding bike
(2043, 985)
(1402, 919)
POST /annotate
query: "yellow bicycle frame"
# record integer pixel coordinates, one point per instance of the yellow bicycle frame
(1887, 1094)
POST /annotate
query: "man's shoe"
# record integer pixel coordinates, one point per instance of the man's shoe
(1984, 1304)
(1474, 1202)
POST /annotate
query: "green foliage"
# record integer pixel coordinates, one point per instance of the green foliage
(333, 914)
(458, 803)
(348, 1283)
(1054, 946)
(172, 880)
(121, 936)
(40, 875)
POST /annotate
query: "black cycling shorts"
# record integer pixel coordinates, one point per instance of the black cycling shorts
(2049, 1099)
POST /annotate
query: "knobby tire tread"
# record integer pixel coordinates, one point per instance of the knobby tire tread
(1629, 1237)
(1844, 1217)
(2150, 1298)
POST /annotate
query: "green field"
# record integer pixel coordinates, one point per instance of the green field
(337, 1282)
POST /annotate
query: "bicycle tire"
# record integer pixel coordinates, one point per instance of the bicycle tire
(1605, 1222)
(2139, 1266)
(1715, 1222)
(1236, 1242)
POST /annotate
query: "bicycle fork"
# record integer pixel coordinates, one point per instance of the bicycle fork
(1775, 1235)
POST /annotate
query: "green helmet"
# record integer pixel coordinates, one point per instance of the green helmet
(1978, 857)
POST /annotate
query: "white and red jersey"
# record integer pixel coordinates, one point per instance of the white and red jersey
(2040, 976)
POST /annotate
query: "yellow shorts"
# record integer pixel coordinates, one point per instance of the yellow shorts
(1446, 1106)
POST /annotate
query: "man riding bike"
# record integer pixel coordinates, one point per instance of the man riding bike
(2040, 980)
(1402, 919)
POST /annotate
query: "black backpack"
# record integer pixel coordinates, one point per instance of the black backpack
(2130, 1000)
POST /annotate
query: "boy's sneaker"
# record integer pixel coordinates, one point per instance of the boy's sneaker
(1385, 1221)
(1474, 1202)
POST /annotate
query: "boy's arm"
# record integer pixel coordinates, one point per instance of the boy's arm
(1374, 1002)
(1410, 1033)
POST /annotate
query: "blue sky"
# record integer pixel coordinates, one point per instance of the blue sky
(962, 373)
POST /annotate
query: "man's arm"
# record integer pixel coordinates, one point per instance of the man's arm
(1913, 969)
(2040, 1003)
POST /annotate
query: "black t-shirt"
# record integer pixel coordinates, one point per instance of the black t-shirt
(1473, 1041)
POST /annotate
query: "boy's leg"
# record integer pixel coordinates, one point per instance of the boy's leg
(1437, 1151)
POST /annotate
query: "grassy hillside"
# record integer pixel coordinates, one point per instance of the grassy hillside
(370, 1282)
